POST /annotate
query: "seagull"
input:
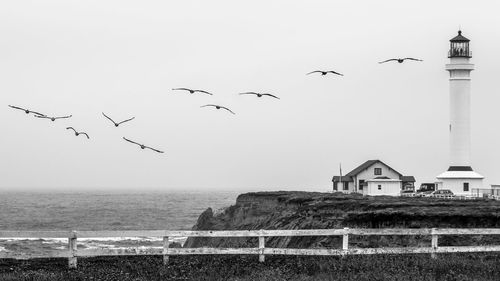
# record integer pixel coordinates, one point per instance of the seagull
(325, 72)
(27, 111)
(400, 60)
(77, 133)
(259, 94)
(52, 118)
(116, 124)
(142, 145)
(192, 91)
(218, 107)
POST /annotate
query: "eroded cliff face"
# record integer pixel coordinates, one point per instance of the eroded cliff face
(308, 210)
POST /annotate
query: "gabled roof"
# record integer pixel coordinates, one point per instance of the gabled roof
(383, 180)
(344, 179)
(362, 167)
(367, 165)
(408, 178)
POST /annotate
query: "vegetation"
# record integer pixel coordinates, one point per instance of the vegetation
(314, 210)
(476, 267)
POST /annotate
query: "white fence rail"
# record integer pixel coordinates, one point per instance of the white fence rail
(73, 252)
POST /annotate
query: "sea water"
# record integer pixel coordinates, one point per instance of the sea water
(96, 210)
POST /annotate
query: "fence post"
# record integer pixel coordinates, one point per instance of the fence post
(434, 243)
(345, 241)
(72, 250)
(262, 245)
(166, 244)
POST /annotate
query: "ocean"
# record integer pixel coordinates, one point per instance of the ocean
(116, 210)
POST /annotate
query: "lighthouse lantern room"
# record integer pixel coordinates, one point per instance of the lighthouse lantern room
(459, 47)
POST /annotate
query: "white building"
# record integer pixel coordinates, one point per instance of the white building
(460, 178)
(382, 186)
(373, 177)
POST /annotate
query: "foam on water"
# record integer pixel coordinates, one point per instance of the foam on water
(102, 211)
(82, 240)
(50, 244)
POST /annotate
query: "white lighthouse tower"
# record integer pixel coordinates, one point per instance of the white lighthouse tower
(460, 178)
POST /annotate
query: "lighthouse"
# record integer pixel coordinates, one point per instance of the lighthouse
(460, 178)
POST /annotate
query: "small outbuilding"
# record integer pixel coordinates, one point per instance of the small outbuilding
(383, 186)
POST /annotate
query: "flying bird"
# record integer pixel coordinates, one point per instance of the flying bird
(400, 60)
(192, 91)
(116, 124)
(142, 145)
(52, 118)
(77, 133)
(218, 107)
(27, 111)
(259, 94)
(325, 72)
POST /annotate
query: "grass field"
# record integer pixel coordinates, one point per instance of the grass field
(352, 268)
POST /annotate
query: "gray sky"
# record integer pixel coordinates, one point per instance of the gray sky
(123, 58)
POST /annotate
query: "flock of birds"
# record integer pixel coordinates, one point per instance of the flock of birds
(77, 133)
(191, 91)
(216, 106)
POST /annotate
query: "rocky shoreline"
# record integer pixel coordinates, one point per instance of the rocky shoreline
(313, 210)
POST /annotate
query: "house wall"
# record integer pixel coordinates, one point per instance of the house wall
(456, 185)
(341, 188)
(351, 187)
(391, 188)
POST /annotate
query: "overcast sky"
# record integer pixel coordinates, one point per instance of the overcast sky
(124, 57)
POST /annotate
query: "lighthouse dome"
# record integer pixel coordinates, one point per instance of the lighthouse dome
(459, 38)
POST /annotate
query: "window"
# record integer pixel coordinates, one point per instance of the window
(346, 185)
(466, 186)
(378, 171)
(360, 185)
(379, 187)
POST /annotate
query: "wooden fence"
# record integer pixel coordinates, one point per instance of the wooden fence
(73, 252)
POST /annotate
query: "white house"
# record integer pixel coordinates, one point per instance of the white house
(373, 177)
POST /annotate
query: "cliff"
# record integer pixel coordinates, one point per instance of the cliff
(312, 210)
